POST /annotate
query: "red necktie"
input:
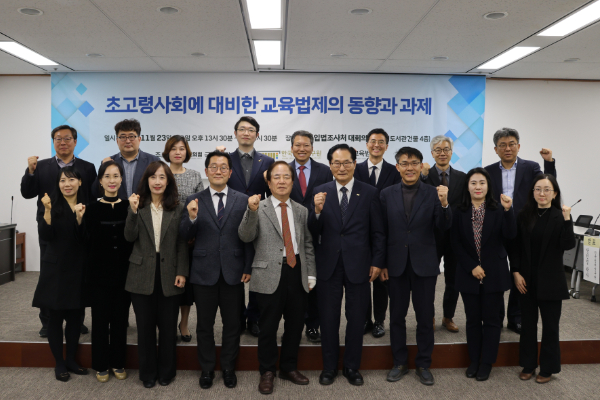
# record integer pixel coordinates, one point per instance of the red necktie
(302, 180)
(287, 237)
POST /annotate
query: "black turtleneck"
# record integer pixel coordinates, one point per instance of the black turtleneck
(408, 194)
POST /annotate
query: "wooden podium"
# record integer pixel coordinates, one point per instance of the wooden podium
(7, 252)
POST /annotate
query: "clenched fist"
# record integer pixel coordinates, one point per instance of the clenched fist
(253, 202)
(134, 202)
(425, 169)
(546, 154)
(47, 202)
(506, 202)
(566, 210)
(32, 163)
(106, 159)
(443, 195)
(320, 202)
(192, 208)
(79, 211)
(221, 149)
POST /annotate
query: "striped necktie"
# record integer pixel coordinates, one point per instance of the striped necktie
(221, 208)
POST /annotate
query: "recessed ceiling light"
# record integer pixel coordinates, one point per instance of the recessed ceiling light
(264, 14)
(24, 53)
(198, 54)
(439, 58)
(571, 60)
(508, 57)
(268, 52)
(168, 10)
(495, 15)
(338, 55)
(94, 55)
(360, 11)
(30, 11)
(581, 18)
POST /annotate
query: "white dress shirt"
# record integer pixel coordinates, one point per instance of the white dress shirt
(348, 186)
(379, 165)
(215, 198)
(157, 214)
(290, 215)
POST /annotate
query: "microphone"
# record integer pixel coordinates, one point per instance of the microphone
(596, 219)
(577, 202)
(12, 200)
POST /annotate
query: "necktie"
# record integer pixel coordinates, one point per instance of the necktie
(287, 237)
(344, 203)
(444, 179)
(246, 161)
(373, 177)
(221, 208)
(302, 180)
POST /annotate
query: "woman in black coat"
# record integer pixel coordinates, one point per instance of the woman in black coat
(108, 264)
(479, 229)
(60, 286)
(545, 231)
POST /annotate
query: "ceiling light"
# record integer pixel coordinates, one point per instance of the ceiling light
(439, 58)
(571, 60)
(360, 11)
(268, 52)
(168, 10)
(581, 18)
(510, 56)
(338, 55)
(264, 14)
(24, 53)
(495, 15)
(198, 54)
(94, 55)
(30, 11)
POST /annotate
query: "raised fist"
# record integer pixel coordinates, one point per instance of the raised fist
(32, 163)
(443, 194)
(320, 202)
(506, 201)
(221, 149)
(134, 202)
(253, 202)
(425, 169)
(79, 211)
(47, 202)
(192, 208)
(106, 159)
(546, 154)
(566, 210)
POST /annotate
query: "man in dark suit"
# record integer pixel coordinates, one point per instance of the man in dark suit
(133, 160)
(221, 264)
(513, 177)
(381, 174)
(308, 175)
(443, 174)
(40, 178)
(349, 251)
(411, 209)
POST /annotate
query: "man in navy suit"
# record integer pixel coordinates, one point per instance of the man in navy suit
(221, 264)
(381, 174)
(349, 252)
(308, 174)
(411, 210)
(513, 177)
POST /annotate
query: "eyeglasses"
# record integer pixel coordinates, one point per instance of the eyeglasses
(286, 177)
(66, 140)
(540, 190)
(379, 142)
(130, 138)
(214, 168)
(250, 130)
(413, 164)
(512, 145)
(346, 164)
(446, 150)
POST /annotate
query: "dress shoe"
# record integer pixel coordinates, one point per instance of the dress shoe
(397, 373)
(378, 330)
(327, 377)
(526, 374)
(514, 326)
(472, 370)
(185, 338)
(265, 386)
(313, 335)
(164, 381)
(77, 370)
(425, 376)
(294, 376)
(450, 325)
(483, 373)
(120, 373)
(84, 330)
(149, 384)
(206, 379)
(44, 332)
(62, 376)
(368, 327)
(354, 377)
(540, 378)
(253, 328)
(102, 376)
(229, 378)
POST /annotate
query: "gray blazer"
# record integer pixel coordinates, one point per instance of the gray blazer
(262, 228)
(142, 262)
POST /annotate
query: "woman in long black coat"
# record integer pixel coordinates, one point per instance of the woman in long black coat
(545, 231)
(60, 286)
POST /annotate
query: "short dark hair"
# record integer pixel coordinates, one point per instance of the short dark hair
(249, 120)
(341, 146)
(304, 134)
(505, 132)
(60, 128)
(103, 167)
(379, 131)
(173, 140)
(410, 152)
(170, 198)
(128, 125)
(276, 163)
(490, 201)
(217, 154)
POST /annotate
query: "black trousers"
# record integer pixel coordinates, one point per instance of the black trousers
(513, 309)
(311, 319)
(228, 298)
(378, 307)
(151, 311)
(251, 313)
(110, 313)
(330, 294)
(55, 335)
(550, 311)
(450, 293)
(423, 294)
(483, 325)
(289, 300)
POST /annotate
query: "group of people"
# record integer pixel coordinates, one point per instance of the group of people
(303, 235)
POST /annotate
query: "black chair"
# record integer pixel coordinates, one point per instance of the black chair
(584, 221)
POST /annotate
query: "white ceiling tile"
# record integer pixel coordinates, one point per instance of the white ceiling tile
(331, 64)
(125, 64)
(204, 64)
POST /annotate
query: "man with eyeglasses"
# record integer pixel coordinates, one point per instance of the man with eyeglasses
(40, 178)
(513, 177)
(221, 264)
(381, 174)
(443, 174)
(350, 251)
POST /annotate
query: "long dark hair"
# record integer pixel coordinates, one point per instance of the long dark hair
(529, 210)
(170, 196)
(103, 169)
(57, 198)
(490, 201)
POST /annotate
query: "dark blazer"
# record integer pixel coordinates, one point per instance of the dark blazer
(257, 184)
(319, 174)
(415, 234)
(360, 241)
(174, 259)
(62, 269)
(499, 226)
(388, 175)
(142, 164)
(526, 171)
(218, 248)
(44, 181)
(558, 237)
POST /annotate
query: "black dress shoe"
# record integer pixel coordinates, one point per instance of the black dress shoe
(149, 384)
(313, 335)
(472, 370)
(206, 379)
(77, 370)
(164, 381)
(62, 376)
(425, 376)
(229, 378)
(514, 326)
(483, 373)
(253, 328)
(354, 377)
(368, 327)
(44, 332)
(84, 329)
(378, 330)
(327, 377)
(185, 338)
